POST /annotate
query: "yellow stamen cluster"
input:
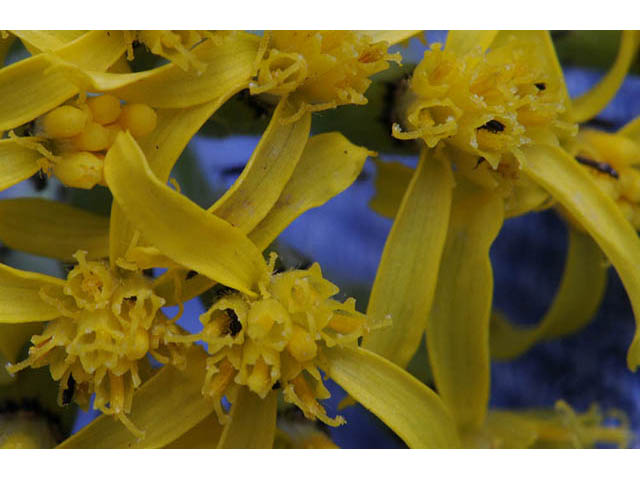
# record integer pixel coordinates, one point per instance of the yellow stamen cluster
(78, 136)
(614, 161)
(488, 105)
(319, 69)
(276, 340)
(175, 45)
(109, 322)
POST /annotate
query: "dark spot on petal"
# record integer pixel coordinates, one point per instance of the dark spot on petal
(541, 85)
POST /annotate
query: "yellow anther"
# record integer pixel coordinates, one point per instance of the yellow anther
(93, 138)
(346, 323)
(64, 122)
(138, 118)
(105, 108)
(262, 317)
(259, 381)
(302, 346)
(80, 170)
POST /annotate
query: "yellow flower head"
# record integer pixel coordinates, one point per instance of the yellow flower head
(108, 323)
(319, 69)
(489, 104)
(276, 340)
(613, 160)
(74, 137)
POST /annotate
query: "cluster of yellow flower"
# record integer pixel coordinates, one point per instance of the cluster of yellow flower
(499, 137)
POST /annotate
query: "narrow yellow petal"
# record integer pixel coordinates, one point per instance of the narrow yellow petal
(392, 181)
(253, 421)
(458, 327)
(462, 42)
(406, 279)
(591, 103)
(46, 40)
(412, 410)
(165, 408)
(178, 227)
(20, 300)
(632, 130)
(576, 302)
(329, 164)
(390, 36)
(273, 161)
(205, 434)
(230, 66)
(52, 229)
(17, 163)
(162, 148)
(27, 92)
(575, 190)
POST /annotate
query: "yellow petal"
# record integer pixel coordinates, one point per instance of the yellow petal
(412, 410)
(273, 161)
(329, 164)
(165, 408)
(392, 181)
(591, 103)
(632, 130)
(205, 434)
(52, 229)
(253, 421)
(17, 163)
(541, 53)
(458, 327)
(575, 190)
(575, 304)
(46, 40)
(162, 148)
(230, 66)
(390, 36)
(178, 227)
(20, 300)
(27, 92)
(408, 270)
(462, 42)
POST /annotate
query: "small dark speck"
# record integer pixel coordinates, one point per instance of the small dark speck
(541, 86)
(276, 385)
(157, 147)
(191, 274)
(345, 152)
(494, 126)
(108, 34)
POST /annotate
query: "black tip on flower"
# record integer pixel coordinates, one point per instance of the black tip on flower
(234, 324)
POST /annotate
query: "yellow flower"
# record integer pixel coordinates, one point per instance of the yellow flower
(497, 137)
(318, 70)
